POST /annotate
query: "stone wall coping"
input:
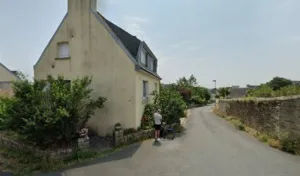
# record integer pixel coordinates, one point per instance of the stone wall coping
(262, 99)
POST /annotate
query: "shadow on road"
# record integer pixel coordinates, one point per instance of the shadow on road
(156, 143)
(124, 153)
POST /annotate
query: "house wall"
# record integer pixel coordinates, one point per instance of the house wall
(140, 104)
(93, 52)
(113, 77)
(47, 64)
(6, 81)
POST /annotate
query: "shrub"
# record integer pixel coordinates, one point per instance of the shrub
(147, 120)
(238, 124)
(288, 91)
(290, 145)
(6, 105)
(263, 138)
(52, 111)
(129, 131)
(262, 91)
(171, 104)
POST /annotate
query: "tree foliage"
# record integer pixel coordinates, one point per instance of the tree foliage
(266, 91)
(278, 82)
(191, 92)
(171, 104)
(224, 92)
(52, 111)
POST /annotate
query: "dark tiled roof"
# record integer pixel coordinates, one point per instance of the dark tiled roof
(238, 92)
(129, 41)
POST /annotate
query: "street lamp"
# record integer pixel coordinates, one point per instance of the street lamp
(215, 81)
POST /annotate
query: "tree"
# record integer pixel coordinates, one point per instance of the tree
(224, 92)
(278, 82)
(183, 82)
(192, 81)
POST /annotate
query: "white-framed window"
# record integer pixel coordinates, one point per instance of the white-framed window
(145, 89)
(151, 63)
(63, 50)
(143, 57)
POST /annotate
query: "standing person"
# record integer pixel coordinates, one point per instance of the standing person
(157, 122)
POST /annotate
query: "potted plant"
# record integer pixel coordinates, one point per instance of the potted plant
(118, 126)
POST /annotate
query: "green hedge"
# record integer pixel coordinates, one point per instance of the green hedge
(49, 112)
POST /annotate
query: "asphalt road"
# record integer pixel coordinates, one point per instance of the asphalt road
(209, 147)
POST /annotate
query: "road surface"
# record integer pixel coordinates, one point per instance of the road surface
(209, 147)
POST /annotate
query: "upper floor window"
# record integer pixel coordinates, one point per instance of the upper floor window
(63, 50)
(150, 63)
(143, 57)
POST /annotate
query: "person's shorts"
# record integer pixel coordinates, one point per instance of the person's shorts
(157, 127)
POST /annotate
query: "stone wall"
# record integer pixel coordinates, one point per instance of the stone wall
(265, 114)
(121, 139)
(55, 154)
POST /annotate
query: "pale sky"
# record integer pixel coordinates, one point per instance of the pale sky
(236, 42)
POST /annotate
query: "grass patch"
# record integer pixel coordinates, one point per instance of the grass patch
(26, 163)
(280, 139)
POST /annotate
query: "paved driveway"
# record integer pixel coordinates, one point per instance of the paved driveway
(210, 147)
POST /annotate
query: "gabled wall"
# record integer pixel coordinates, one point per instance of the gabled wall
(6, 75)
(47, 64)
(6, 81)
(94, 52)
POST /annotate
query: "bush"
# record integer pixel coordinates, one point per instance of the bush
(147, 119)
(290, 145)
(288, 91)
(6, 105)
(130, 131)
(171, 104)
(238, 124)
(262, 91)
(52, 111)
(267, 91)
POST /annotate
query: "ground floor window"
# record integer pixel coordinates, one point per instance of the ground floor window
(145, 89)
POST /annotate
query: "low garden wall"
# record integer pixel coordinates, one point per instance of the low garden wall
(265, 114)
(124, 139)
(54, 154)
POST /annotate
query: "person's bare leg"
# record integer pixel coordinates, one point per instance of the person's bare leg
(155, 135)
(158, 134)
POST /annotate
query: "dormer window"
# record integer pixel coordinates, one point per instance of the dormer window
(63, 50)
(143, 57)
(150, 63)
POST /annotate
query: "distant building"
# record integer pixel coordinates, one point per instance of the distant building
(296, 83)
(237, 92)
(252, 86)
(235, 86)
(7, 77)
